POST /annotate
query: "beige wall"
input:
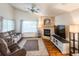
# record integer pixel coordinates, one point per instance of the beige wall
(64, 19)
(75, 15)
(6, 11)
(68, 18)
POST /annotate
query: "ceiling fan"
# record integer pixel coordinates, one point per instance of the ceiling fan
(33, 8)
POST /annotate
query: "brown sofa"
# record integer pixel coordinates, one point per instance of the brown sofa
(11, 37)
(12, 50)
(9, 44)
(15, 36)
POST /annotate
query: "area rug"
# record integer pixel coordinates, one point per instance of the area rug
(31, 45)
(42, 50)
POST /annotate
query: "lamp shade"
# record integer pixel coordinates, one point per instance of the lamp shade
(74, 28)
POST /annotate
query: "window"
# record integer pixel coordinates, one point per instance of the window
(5, 25)
(29, 26)
(8, 25)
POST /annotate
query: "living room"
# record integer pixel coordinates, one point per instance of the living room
(39, 29)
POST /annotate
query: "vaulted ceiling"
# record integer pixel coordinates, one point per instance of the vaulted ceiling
(51, 9)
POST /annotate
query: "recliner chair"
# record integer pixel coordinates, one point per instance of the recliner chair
(6, 51)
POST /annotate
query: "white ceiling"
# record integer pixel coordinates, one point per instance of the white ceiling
(51, 9)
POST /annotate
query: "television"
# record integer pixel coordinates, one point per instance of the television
(60, 30)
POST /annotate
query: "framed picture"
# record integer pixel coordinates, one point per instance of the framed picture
(47, 21)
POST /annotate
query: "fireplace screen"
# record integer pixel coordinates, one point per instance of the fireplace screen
(46, 32)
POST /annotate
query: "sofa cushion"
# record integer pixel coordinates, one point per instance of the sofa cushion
(6, 34)
(4, 48)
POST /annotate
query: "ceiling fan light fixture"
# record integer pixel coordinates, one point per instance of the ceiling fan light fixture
(33, 8)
